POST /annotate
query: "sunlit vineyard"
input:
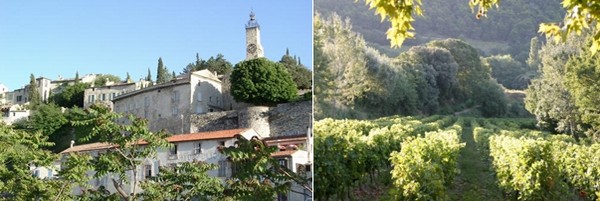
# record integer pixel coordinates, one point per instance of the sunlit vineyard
(416, 158)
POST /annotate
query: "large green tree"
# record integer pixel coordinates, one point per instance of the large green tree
(345, 75)
(583, 83)
(547, 96)
(71, 96)
(262, 82)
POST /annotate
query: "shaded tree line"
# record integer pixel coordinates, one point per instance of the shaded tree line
(356, 81)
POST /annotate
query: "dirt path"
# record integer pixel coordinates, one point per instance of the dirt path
(476, 180)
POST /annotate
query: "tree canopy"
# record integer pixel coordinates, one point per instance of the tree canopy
(300, 74)
(262, 82)
(102, 79)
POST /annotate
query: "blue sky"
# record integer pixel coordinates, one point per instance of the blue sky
(52, 38)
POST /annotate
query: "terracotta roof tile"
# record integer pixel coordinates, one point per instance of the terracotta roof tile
(222, 134)
(283, 153)
(206, 135)
(88, 147)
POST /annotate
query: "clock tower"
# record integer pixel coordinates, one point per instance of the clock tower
(253, 47)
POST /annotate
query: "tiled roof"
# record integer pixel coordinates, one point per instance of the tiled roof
(283, 153)
(222, 134)
(206, 135)
(88, 147)
(285, 140)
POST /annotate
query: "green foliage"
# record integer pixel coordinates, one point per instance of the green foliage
(187, 181)
(300, 74)
(261, 82)
(34, 95)
(491, 97)
(220, 65)
(149, 76)
(527, 166)
(400, 15)
(534, 60)
(581, 16)
(19, 151)
(508, 72)
(162, 73)
(426, 166)
(345, 78)
(581, 165)
(46, 119)
(581, 80)
(547, 96)
(258, 176)
(132, 141)
(217, 64)
(102, 79)
(352, 150)
(71, 96)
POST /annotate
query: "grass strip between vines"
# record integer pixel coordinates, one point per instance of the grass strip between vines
(476, 180)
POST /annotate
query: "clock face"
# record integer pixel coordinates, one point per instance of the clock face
(251, 48)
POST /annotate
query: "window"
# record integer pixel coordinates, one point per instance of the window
(210, 99)
(199, 109)
(19, 98)
(175, 111)
(173, 150)
(222, 168)
(282, 197)
(91, 98)
(175, 95)
(114, 95)
(147, 171)
(103, 97)
(198, 148)
(283, 162)
(222, 143)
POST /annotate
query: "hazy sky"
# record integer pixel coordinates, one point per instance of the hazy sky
(52, 38)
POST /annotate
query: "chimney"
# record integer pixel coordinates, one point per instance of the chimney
(72, 143)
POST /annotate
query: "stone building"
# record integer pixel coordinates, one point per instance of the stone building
(169, 105)
(105, 94)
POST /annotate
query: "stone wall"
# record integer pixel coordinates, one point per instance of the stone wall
(290, 118)
(285, 119)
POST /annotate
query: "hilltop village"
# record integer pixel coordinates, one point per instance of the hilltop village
(196, 109)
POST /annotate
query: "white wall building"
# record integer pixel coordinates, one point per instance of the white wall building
(201, 146)
(14, 113)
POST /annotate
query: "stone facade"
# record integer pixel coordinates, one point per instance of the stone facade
(106, 94)
(283, 120)
(170, 105)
